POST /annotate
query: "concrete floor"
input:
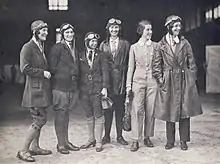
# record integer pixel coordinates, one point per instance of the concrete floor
(204, 147)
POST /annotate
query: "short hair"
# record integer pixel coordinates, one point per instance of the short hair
(141, 26)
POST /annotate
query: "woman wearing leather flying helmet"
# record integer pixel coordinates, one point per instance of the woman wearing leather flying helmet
(64, 66)
(37, 95)
(116, 51)
(94, 79)
(174, 69)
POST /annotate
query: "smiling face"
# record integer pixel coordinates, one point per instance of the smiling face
(68, 34)
(42, 34)
(176, 28)
(147, 32)
(93, 43)
(114, 30)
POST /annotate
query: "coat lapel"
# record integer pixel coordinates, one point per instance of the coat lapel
(72, 54)
(179, 46)
(39, 53)
(166, 48)
(119, 47)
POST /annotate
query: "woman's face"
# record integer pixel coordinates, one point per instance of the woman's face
(93, 43)
(42, 35)
(114, 30)
(176, 28)
(68, 34)
(147, 33)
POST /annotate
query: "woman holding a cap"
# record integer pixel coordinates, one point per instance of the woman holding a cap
(174, 69)
(143, 86)
(94, 79)
(64, 66)
(116, 51)
(37, 94)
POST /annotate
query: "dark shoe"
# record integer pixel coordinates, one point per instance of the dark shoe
(88, 144)
(40, 151)
(105, 140)
(134, 146)
(148, 142)
(169, 146)
(25, 156)
(122, 141)
(62, 150)
(99, 147)
(71, 147)
(183, 146)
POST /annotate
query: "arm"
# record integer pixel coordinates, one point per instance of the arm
(191, 60)
(157, 63)
(105, 70)
(54, 58)
(131, 69)
(26, 64)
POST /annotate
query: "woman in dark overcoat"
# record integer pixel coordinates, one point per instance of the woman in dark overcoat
(174, 68)
(94, 81)
(117, 51)
(37, 93)
(64, 66)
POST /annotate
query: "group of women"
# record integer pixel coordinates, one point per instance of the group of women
(161, 77)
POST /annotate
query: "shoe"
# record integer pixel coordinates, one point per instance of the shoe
(25, 156)
(99, 147)
(169, 146)
(183, 145)
(62, 150)
(88, 144)
(122, 141)
(40, 151)
(71, 147)
(148, 142)
(134, 146)
(105, 140)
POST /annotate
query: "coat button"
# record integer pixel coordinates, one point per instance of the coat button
(89, 77)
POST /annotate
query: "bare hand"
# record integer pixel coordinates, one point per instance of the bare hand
(47, 74)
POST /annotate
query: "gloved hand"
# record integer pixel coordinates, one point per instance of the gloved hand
(104, 92)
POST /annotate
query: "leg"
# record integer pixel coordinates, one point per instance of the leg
(119, 114)
(91, 128)
(59, 129)
(149, 120)
(99, 124)
(184, 132)
(137, 115)
(68, 145)
(170, 130)
(108, 114)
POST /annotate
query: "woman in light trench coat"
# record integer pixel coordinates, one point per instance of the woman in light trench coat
(143, 86)
(174, 69)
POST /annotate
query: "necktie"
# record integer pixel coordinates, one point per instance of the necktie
(90, 56)
(114, 48)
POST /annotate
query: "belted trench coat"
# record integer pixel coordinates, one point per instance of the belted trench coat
(175, 73)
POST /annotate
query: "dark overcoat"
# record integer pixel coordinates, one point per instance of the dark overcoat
(176, 74)
(93, 79)
(37, 92)
(118, 65)
(64, 66)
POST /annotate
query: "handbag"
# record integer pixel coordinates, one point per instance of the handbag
(127, 117)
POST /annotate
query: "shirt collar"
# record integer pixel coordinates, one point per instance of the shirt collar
(116, 40)
(170, 40)
(143, 42)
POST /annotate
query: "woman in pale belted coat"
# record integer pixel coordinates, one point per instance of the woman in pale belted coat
(175, 71)
(143, 86)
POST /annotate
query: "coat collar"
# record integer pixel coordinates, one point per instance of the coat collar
(120, 44)
(167, 49)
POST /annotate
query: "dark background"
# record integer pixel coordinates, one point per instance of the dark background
(92, 15)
